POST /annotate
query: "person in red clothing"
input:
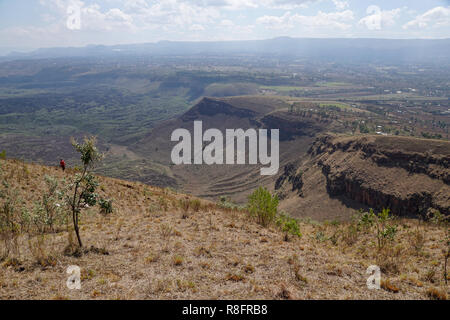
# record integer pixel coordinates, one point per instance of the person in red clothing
(62, 164)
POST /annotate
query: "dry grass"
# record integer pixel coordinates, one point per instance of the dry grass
(135, 253)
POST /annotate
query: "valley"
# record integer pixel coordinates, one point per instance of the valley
(363, 171)
(133, 103)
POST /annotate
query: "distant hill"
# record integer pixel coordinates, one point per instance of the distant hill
(342, 50)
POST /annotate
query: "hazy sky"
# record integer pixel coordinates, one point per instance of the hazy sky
(26, 24)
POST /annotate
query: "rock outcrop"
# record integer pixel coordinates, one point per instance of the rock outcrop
(407, 175)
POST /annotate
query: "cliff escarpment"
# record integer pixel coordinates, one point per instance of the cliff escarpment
(409, 176)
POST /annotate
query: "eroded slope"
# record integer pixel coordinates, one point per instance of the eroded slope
(410, 176)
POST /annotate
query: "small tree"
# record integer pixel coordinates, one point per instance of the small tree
(263, 206)
(385, 232)
(85, 183)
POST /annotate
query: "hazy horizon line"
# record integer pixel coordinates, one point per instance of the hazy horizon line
(23, 50)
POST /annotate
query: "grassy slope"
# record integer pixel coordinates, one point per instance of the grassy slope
(211, 254)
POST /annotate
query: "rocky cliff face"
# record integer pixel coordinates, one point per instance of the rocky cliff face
(417, 156)
(292, 176)
(409, 176)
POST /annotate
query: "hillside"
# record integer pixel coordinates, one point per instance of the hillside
(236, 181)
(325, 178)
(408, 175)
(151, 248)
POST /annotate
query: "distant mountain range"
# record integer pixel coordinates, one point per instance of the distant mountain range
(342, 50)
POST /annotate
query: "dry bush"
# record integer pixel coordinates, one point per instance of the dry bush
(177, 260)
(235, 277)
(436, 294)
(195, 205)
(297, 275)
(249, 268)
(37, 248)
(152, 257)
(350, 234)
(202, 251)
(162, 286)
(184, 204)
(166, 233)
(389, 286)
(389, 260)
(417, 240)
(163, 204)
(430, 275)
(284, 293)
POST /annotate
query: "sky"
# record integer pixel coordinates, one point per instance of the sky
(31, 24)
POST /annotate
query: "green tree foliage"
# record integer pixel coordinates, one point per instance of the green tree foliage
(106, 206)
(84, 183)
(363, 128)
(288, 225)
(385, 230)
(263, 206)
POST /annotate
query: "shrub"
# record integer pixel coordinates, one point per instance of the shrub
(48, 212)
(38, 251)
(367, 219)
(163, 204)
(389, 286)
(436, 217)
(166, 231)
(225, 203)
(350, 234)
(263, 206)
(384, 231)
(417, 240)
(436, 294)
(178, 260)
(106, 206)
(288, 225)
(184, 204)
(11, 222)
(446, 253)
(235, 277)
(195, 205)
